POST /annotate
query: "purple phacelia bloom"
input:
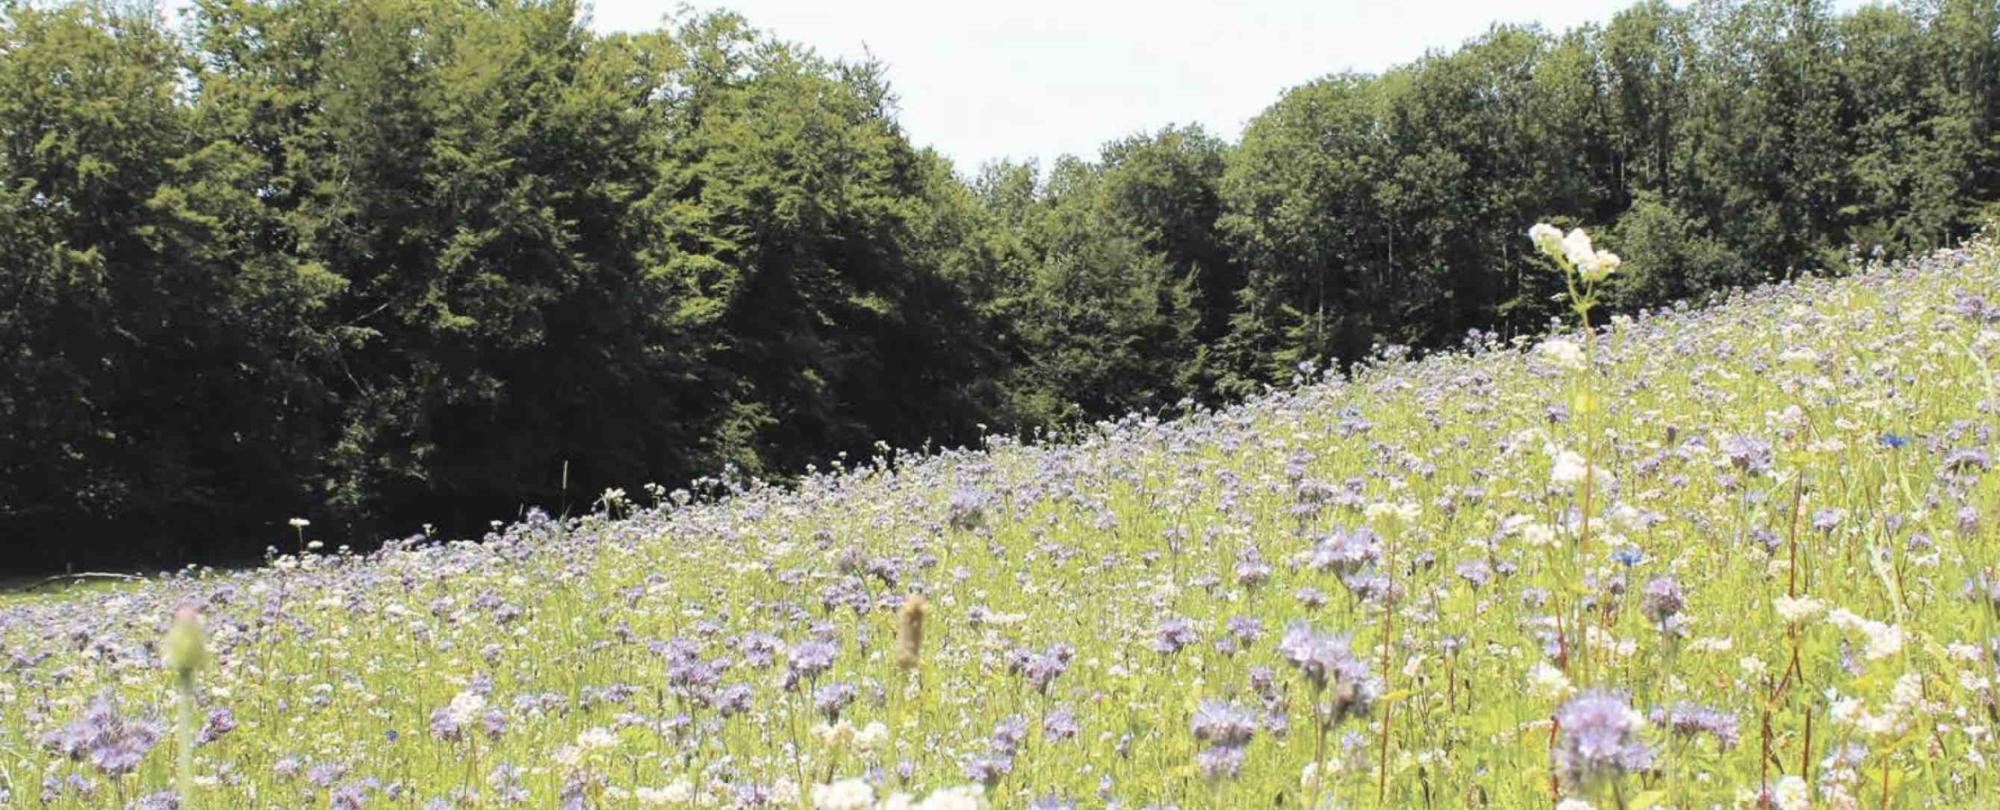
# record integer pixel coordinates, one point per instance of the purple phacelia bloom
(493, 724)
(986, 769)
(1059, 724)
(1220, 761)
(1662, 600)
(807, 660)
(1971, 458)
(112, 744)
(1222, 723)
(1688, 719)
(220, 721)
(1008, 734)
(1245, 630)
(1173, 634)
(1748, 454)
(759, 649)
(163, 800)
(831, 699)
(1984, 590)
(966, 510)
(1345, 552)
(324, 774)
(1251, 570)
(1598, 741)
(1331, 668)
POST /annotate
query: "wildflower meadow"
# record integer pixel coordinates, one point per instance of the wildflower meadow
(1739, 554)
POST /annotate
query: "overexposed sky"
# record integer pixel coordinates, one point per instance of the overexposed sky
(1041, 78)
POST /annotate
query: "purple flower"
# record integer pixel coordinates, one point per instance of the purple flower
(1748, 454)
(1008, 734)
(1251, 570)
(1344, 552)
(808, 660)
(986, 769)
(1060, 724)
(163, 800)
(1172, 635)
(1223, 723)
(1599, 741)
(1688, 719)
(1984, 590)
(1330, 667)
(1041, 670)
(1662, 600)
(112, 744)
(832, 698)
(1220, 761)
(220, 721)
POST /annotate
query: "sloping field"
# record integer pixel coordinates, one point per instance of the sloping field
(1746, 550)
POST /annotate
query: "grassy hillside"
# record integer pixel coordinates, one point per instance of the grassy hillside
(1743, 549)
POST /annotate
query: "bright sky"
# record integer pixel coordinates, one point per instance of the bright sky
(1042, 78)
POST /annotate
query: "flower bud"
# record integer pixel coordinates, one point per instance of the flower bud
(909, 631)
(183, 650)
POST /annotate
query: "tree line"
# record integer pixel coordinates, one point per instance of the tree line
(385, 263)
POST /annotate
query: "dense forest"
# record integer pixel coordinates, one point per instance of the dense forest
(384, 263)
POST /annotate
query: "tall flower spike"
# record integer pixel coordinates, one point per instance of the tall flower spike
(183, 650)
(910, 632)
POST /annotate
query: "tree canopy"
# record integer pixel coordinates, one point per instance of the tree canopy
(386, 263)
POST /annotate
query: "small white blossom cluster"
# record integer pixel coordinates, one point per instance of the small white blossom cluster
(1883, 640)
(1574, 252)
(1905, 699)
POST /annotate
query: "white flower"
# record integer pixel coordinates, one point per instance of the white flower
(1574, 803)
(1598, 266)
(846, 794)
(596, 739)
(1796, 610)
(1561, 353)
(465, 707)
(299, 523)
(1792, 793)
(680, 792)
(1568, 468)
(1406, 512)
(1884, 640)
(1847, 711)
(1803, 357)
(1538, 535)
(1548, 238)
(871, 737)
(1547, 682)
(1577, 248)
(835, 737)
(965, 797)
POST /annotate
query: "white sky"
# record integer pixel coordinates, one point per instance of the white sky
(1042, 78)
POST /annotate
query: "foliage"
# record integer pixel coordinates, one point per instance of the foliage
(410, 262)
